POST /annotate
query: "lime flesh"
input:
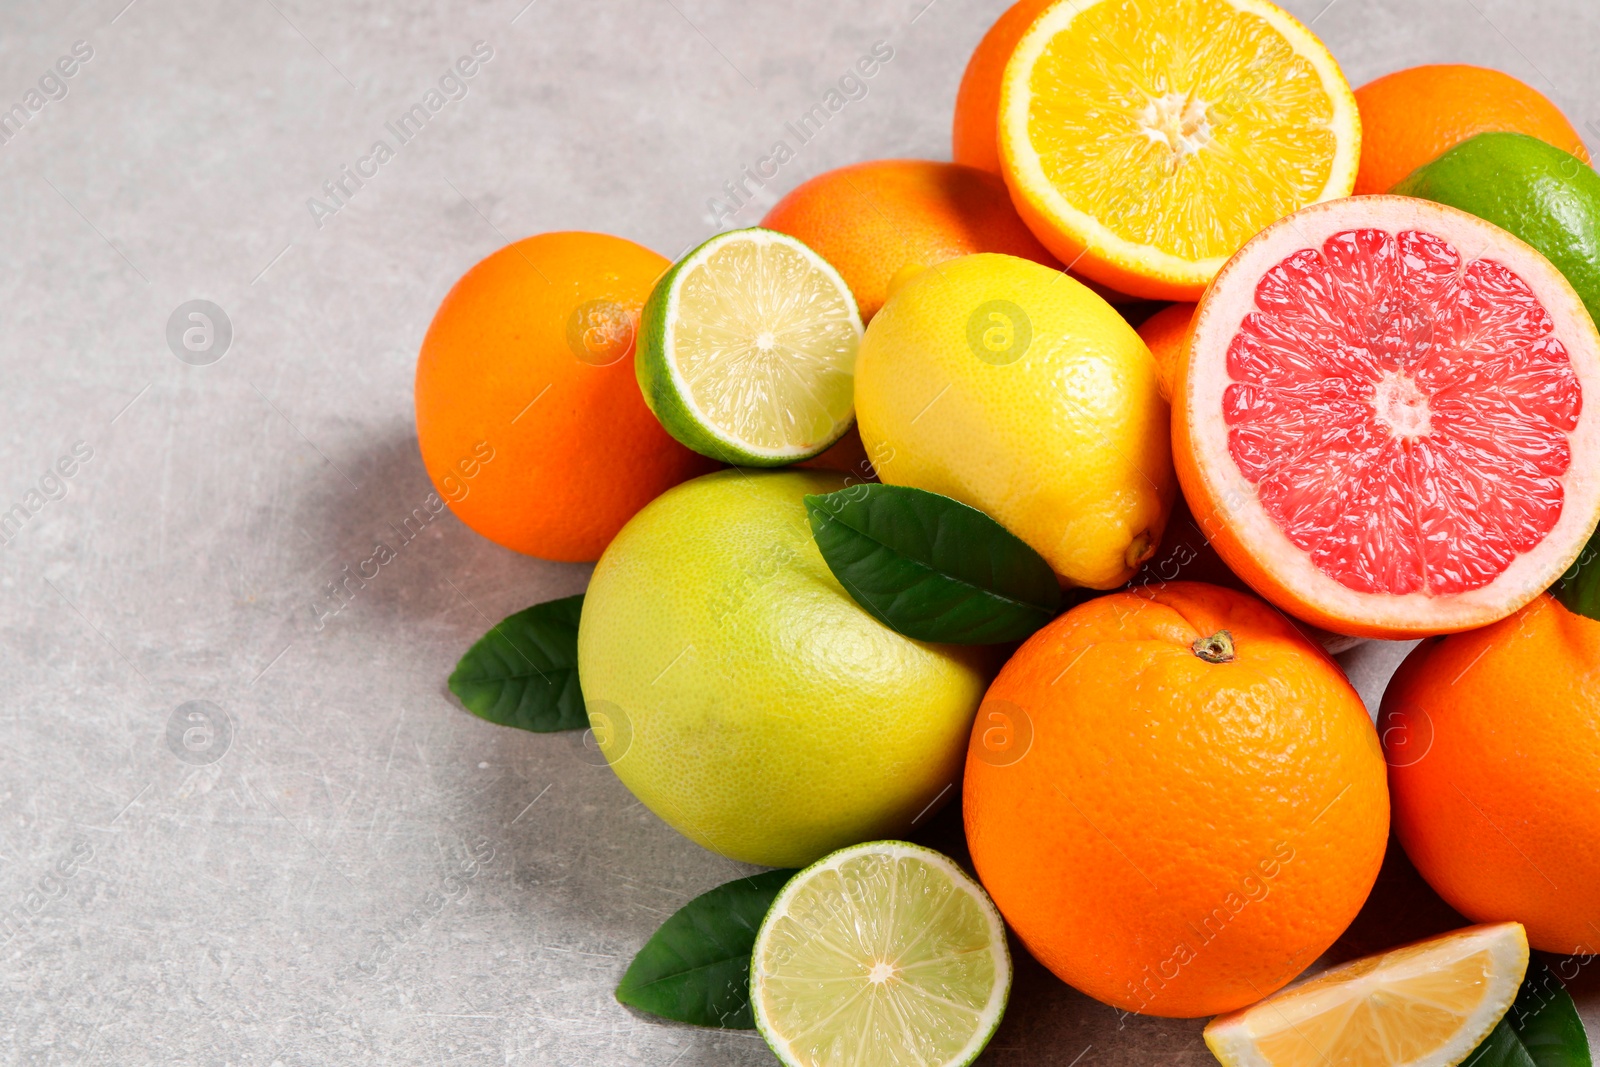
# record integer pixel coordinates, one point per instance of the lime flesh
(749, 349)
(885, 954)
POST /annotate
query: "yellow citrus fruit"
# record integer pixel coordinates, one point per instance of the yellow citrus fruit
(1013, 388)
(1430, 1003)
(741, 694)
(1144, 141)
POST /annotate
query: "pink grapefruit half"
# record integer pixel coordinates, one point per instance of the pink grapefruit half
(1381, 419)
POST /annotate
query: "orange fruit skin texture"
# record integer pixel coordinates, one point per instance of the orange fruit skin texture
(975, 134)
(1493, 739)
(1183, 837)
(568, 471)
(1413, 116)
(1166, 334)
(871, 219)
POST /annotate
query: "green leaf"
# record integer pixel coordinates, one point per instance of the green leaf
(1579, 589)
(1542, 1029)
(932, 568)
(524, 671)
(696, 968)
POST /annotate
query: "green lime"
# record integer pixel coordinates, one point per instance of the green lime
(1547, 197)
(747, 350)
(745, 698)
(884, 953)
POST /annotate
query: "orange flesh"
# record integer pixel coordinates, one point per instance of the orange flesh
(1183, 127)
(1402, 414)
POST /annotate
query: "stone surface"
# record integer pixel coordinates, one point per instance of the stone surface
(346, 867)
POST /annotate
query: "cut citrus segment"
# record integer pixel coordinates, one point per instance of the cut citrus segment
(1381, 423)
(1146, 140)
(748, 350)
(1428, 1004)
(884, 953)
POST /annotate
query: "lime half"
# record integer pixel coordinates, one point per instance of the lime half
(748, 350)
(884, 953)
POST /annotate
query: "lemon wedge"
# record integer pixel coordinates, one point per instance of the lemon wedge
(1427, 1004)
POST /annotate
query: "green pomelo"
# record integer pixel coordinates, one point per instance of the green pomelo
(745, 698)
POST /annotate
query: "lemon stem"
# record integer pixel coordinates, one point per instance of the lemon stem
(1218, 648)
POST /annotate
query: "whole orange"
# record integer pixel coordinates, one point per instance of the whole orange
(1166, 334)
(974, 135)
(1412, 116)
(529, 416)
(1493, 740)
(1175, 799)
(870, 220)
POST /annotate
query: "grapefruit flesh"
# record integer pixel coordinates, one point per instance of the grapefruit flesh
(1410, 467)
(1381, 423)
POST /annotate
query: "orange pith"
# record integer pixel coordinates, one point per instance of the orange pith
(974, 136)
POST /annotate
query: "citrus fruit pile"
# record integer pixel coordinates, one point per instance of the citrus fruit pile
(1076, 562)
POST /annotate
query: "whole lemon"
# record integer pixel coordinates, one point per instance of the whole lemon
(741, 694)
(1013, 388)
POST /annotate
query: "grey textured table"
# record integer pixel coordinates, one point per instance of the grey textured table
(346, 867)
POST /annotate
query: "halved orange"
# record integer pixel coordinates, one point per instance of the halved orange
(1145, 141)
